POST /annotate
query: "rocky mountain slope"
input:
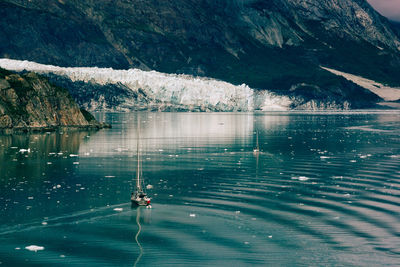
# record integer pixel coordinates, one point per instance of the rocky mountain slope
(30, 102)
(276, 44)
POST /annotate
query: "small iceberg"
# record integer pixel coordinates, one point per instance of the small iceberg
(34, 248)
(301, 178)
(118, 209)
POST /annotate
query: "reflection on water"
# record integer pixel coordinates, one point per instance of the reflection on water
(174, 130)
(324, 190)
(137, 237)
(143, 214)
(35, 171)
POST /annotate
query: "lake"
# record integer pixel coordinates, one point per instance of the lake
(324, 190)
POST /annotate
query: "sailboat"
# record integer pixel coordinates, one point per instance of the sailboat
(139, 197)
(257, 149)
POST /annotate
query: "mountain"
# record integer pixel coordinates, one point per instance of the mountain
(30, 102)
(268, 44)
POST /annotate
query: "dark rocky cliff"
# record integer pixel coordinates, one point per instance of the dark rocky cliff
(267, 44)
(30, 102)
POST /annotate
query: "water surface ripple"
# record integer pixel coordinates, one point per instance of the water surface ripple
(323, 191)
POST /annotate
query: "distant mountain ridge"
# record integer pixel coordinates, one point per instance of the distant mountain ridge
(276, 44)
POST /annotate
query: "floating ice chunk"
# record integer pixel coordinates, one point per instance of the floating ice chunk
(270, 236)
(76, 163)
(149, 186)
(237, 212)
(23, 150)
(30, 197)
(192, 215)
(34, 248)
(109, 176)
(44, 223)
(118, 209)
(73, 155)
(353, 161)
(324, 157)
(58, 186)
(17, 248)
(301, 178)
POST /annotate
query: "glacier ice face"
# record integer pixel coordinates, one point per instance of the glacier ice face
(162, 90)
(106, 89)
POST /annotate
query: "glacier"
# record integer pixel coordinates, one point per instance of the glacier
(153, 90)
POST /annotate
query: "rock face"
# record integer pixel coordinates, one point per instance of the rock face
(267, 44)
(29, 101)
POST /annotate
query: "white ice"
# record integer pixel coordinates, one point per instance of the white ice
(301, 178)
(182, 90)
(34, 248)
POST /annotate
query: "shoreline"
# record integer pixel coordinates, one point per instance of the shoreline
(55, 128)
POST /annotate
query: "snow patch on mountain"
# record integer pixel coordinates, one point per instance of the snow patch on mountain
(383, 91)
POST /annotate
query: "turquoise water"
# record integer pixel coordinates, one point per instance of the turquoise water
(323, 191)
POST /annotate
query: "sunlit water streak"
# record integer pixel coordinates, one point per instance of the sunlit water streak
(323, 191)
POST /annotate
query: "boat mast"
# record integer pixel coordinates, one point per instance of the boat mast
(138, 185)
(257, 146)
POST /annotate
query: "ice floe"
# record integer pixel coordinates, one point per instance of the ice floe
(34, 248)
(300, 178)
